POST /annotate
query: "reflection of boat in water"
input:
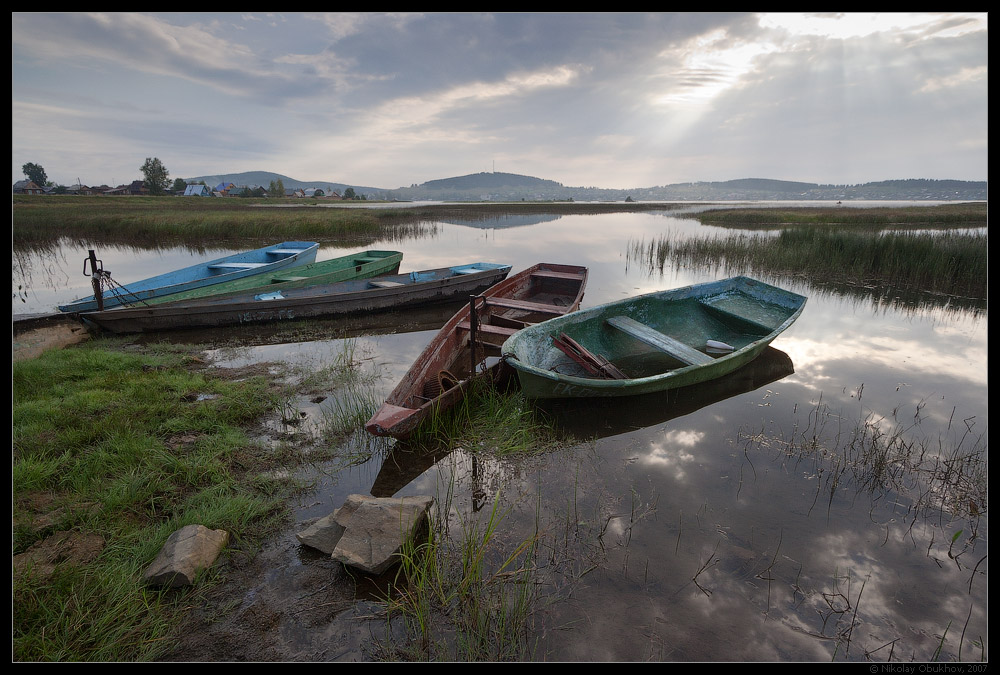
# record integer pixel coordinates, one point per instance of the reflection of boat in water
(402, 465)
(390, 322)
(600, 418)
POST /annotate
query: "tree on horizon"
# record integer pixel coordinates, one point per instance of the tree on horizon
(156, 175)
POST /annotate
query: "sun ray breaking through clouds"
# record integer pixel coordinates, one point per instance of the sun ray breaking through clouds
(586, 99)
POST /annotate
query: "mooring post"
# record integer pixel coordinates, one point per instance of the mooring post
(473, 330)
(95, 280)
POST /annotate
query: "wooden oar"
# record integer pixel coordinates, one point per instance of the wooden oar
(595, 364)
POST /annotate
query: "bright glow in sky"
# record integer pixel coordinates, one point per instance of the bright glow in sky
(587, 99)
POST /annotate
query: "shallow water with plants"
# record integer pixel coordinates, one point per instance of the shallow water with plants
(827, 502)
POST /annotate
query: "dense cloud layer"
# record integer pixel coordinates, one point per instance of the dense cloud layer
(609, 100)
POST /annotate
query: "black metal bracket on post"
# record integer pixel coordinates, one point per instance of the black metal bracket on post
(96, 277)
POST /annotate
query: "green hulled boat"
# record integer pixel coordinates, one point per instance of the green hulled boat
(652, 342)
(363, 265)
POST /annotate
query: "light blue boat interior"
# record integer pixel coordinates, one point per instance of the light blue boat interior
(276, 257)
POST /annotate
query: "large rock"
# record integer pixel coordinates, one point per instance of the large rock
(187, 551)
(368, 532)
(323, 534)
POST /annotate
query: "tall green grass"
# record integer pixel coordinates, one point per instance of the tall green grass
(490, 419)
(463, 600)
(148, 221)
(129, 447)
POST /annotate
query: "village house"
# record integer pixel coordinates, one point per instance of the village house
(197, 191)
(135, 188)
(27, 187)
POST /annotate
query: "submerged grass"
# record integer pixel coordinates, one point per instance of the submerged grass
(958, 215)
(949, 263)
(493, 420)
(890, 459)
(123, 448)
(465, 599)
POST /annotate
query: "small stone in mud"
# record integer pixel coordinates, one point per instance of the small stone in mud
(186, 552)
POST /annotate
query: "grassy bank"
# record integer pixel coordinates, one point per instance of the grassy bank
(147, 221)
(117, 447)
(122, 449)
(40, 221)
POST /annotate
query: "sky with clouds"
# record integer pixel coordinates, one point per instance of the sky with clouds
(586, 99)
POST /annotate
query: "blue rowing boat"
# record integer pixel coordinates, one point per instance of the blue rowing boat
(259, 261)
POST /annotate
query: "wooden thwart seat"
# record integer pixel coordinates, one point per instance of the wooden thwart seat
(510, 303)
(236, 266)
(384, 284)
(552, 274)
(664, 343)
(488, 329)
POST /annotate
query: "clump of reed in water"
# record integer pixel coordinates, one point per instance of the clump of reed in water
(952, 263)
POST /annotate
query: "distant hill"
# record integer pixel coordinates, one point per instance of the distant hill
(512, 187)
(493, 186)
(264, 178)
(489, 181)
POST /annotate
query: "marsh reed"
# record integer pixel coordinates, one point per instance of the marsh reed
(948, 263)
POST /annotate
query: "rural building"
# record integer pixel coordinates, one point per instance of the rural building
(197, 191)
(27, 187)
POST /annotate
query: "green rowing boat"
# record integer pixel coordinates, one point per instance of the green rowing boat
(362, 265)
(651, 342)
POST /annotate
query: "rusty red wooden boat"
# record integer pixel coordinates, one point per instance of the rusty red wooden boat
(442, 373)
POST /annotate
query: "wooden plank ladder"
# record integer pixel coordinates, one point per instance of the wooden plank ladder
(664, 343)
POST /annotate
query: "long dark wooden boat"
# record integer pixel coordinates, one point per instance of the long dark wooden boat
(262, 260)
(324, 300)
(442, 373)
(652, 342)
(361, 265)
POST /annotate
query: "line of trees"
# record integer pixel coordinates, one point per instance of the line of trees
(156, 176)
(157, 179)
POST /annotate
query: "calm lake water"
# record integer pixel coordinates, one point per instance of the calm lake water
(816, 506)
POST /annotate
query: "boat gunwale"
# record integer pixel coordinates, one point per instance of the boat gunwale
(739, 283)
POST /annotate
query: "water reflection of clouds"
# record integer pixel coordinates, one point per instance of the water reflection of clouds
(672, 451)
(854, 359)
